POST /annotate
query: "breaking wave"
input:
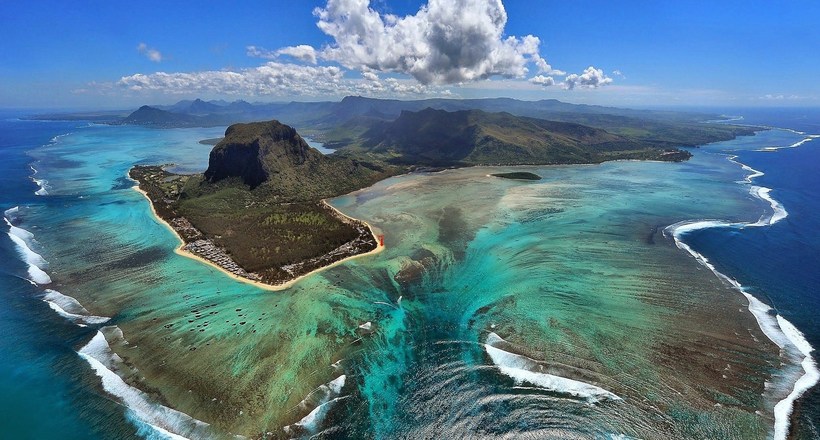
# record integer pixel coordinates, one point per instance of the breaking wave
(22, 240)
(322, 400)
(165, 421)
(41, 183)
(523, 369)
(71, 309)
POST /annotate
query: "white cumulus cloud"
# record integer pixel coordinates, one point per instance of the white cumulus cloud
(445, 42)
(370, 76)
(273, 79)
(458, 42)
(149, 52)
(592, 78)
(542, 80)
(302, 52)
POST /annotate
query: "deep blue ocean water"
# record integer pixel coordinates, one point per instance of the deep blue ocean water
(46, 388)
(780, 264)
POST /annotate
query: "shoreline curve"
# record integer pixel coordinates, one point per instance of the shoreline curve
(179, 250)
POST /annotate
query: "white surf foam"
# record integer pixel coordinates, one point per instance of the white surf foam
(42, 183)
(35, 261)
(780, 331)
(753, 172)
(168, 421)
(778, 211)
(11, 213)
(324, 392)
(311, 421)
(322, 399)
(794, 145)
(521, 369)
(71, 309)
(18, 232)
(784, 408)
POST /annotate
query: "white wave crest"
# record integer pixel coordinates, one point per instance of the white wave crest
(778, 211)
(322, 399)
(794, 145)
(754, 174)
(523, 369)
(71, 309)
(311, 421)
(35, 261)
(42, 183)
(167, 421)
(784, 408)
(11, 213)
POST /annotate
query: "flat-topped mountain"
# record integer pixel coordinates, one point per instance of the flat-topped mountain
(255, 151)
(272, 157)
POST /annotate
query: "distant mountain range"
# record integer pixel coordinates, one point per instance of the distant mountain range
(380, 125)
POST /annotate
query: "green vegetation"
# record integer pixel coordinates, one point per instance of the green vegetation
(520, 175)
(278, 166)
(259, 237)
(474, 137)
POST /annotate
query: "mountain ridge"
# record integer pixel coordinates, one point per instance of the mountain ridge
(474, 137)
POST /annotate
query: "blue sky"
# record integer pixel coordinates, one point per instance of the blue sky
(108, 54)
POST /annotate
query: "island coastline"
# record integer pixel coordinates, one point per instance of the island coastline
(180, 250)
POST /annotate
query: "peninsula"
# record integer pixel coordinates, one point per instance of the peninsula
(258, 212)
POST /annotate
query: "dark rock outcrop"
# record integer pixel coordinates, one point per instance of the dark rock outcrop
(272, 157)
(255, 151)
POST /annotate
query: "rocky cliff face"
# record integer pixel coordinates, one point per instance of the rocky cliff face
(253, 152)
(271, 157)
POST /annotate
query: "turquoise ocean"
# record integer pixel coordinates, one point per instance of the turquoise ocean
(603, 301)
